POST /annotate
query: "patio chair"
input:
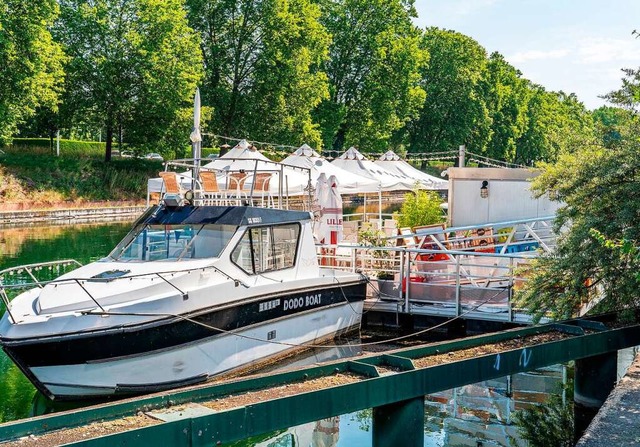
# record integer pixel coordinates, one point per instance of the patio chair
(235, 185)
(261, 185)
(211, 193)
(173, 192)
(171, 183)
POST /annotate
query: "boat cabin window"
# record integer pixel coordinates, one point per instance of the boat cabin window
(266, 249)
(173, 242)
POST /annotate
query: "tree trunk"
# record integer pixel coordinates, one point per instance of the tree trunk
(107, 155)
(120, 137)
(52, 133)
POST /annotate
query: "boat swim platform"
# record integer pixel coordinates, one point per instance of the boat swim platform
(393, 383)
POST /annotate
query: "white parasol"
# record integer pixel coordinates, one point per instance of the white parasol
(320, 198)
(332, 214)
(196, 138)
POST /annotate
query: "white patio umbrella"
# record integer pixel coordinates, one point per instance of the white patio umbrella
(348, 182)
(333, 211)
(196, 138)
(393, 163)
(320, 199)
(328, 225)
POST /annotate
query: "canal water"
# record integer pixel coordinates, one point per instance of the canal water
(474, 415)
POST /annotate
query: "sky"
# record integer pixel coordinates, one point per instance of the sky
(577, 46)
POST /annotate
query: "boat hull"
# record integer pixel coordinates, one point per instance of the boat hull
(184, 350)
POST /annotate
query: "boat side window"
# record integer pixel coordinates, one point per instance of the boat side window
(173, 242)
(266, 249)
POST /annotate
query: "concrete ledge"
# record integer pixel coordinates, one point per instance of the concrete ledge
(70, 215)
(618, 421)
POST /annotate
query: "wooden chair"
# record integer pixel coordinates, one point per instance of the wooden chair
(171, 183)
(211, 193)
(173, 191)
(235, 186)
(261, 185)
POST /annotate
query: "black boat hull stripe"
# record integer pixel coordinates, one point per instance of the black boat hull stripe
(167, 334)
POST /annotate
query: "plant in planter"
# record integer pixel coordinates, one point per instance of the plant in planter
(382, 262)
(420, 208)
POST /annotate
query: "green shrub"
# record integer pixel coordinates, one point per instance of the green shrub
(420, 208)
(210, 151)
(68, 148)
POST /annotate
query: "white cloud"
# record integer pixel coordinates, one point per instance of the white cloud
(536, 55)
(601, 50)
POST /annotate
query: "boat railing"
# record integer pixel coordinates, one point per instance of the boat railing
(29, 276)
(253, 182)
(9, 290)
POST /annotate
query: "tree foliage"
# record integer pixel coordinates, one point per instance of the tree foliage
(134, 66)
(373, 69)
(455, 110)
(331, 73)
(600, 189)
(262, 62)
(609, 123)
(420, 208)
(31, 63)
(507, 99)
(556, 122)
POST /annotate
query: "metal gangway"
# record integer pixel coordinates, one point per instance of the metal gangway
(470, 271)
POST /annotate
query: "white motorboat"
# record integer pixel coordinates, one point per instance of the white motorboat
(191, 292)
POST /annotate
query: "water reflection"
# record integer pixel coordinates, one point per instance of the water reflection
(20, 246)
(472, 415)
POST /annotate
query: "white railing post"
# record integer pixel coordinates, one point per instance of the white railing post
(458, 304)
(510, 296)
(401, 275)
(407, 283)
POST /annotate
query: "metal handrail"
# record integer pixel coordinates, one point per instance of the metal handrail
(28, 268)
(79, 281)
(462, 271)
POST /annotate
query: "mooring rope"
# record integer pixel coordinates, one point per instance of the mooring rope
(294, 345)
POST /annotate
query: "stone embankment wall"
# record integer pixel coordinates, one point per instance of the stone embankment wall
(69, 216)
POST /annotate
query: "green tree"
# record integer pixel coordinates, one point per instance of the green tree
(455, 111)
(374, 71)
(596, 259)
(31, 63)
(507, 97)
(609, 121)
(133, 70)
(420, 208)
(556, 122)
(628, 96)
(600, 189)
(262, 66)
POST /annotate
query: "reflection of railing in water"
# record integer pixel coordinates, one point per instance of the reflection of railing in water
(463, 270)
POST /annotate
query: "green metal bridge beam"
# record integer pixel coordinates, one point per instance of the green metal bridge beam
(405, 383)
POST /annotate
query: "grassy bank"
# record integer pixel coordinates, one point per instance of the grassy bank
(34, 179)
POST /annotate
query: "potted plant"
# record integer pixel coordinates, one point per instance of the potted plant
(382, 261)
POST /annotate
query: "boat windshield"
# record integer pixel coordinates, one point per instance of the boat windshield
(173, 242)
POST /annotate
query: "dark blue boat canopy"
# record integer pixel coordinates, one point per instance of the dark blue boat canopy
(222, 215)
